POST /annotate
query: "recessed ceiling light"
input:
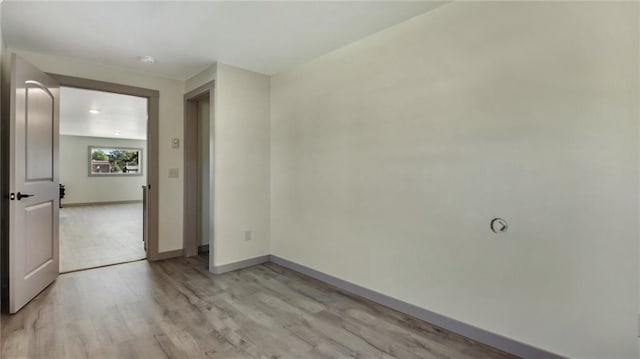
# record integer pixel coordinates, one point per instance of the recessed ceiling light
(116, 132)
(147, 59)
(94, 111)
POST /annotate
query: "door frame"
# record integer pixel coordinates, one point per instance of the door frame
(191, 157)
(153, 123)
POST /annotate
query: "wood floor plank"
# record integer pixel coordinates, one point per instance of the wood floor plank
(177, 309)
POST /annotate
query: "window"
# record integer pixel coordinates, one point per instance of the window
(110, 161)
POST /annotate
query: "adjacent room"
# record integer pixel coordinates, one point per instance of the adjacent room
(320, 179)
(102, 167)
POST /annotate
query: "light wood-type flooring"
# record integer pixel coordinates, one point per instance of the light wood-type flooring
(177, 309)
(92, 236)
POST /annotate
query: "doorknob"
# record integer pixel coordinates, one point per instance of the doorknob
(23, 195)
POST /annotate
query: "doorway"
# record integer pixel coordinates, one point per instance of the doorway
(199, 172)
(102, 172)
(131, 216)
(30, 153)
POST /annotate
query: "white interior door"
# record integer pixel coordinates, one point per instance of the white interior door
(33, 183)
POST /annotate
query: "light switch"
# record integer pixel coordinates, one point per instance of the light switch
(175, 142)
(173, 173)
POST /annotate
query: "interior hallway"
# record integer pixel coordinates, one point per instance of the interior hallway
(177, 309)
(97, 235)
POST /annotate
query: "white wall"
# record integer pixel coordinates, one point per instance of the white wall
(241, 157)
(201, 78)
(171, 125)
(82, 188)
(390, 157)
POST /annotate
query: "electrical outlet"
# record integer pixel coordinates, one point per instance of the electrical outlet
(247, 235)
(173, 173)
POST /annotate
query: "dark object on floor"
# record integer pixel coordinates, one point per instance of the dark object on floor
(63, 191)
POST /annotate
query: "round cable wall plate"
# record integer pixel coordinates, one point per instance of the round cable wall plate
(499, 225)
